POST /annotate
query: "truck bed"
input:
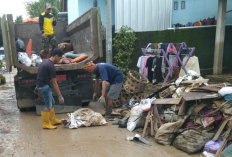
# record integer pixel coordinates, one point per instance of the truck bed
(84, 34)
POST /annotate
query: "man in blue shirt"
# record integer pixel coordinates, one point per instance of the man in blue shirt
(112, 81)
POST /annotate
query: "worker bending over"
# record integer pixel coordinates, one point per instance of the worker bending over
(111, 91)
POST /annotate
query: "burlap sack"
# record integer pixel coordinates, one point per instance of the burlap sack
(192, 141)
(166, 133)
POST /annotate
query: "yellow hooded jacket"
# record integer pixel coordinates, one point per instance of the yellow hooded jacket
(46, 23)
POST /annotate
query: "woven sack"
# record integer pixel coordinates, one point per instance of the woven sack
(125, 97)
(135, 82)
(166, 133)
(192, 141)
(117, 103)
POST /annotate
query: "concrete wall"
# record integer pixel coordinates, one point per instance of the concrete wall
(196, 10)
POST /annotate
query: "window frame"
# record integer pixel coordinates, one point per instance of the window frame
(175, 5)
(182, 5)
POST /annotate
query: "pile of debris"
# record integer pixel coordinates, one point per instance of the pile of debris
(190, 114)
(33, 59)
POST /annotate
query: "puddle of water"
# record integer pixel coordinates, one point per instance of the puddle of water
(5, 88)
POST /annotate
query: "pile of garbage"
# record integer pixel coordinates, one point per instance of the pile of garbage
(33, 59)
(190, 114)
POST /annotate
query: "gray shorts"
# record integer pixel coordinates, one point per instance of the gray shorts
(113, 91)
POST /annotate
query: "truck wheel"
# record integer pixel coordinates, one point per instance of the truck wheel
(85, 103)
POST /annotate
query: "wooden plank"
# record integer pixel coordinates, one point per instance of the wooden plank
(222, 146)
(14, 54)
(6, 44)
(167, 101)
(146, 123)
(183, 108)
(220, 129)
(188, 96)
(196, 81)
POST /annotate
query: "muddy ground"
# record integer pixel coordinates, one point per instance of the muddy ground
(21, 135)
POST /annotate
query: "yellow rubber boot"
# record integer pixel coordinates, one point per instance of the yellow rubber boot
(45, 120)
(53, 119)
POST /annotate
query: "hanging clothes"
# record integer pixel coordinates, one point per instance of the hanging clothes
(149, 67)
(158, 72)
(193, 64)
(154, 64)
(141, 64)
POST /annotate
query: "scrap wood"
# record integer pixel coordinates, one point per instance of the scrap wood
(182, 109)
(211, 87)
(223, 143)
(160, 90)
(154, 119)
(189, 96)
(216, 136)
(196, 81)
(218, 103)
(216, 109)
(167, 101)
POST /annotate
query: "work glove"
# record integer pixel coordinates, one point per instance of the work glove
(102, 100)
(94, 97)
(36, 91)
(61, 100)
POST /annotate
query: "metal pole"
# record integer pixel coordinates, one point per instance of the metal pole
(108, 32)
(220, 37)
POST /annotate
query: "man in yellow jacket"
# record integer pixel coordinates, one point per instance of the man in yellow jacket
(46, 23)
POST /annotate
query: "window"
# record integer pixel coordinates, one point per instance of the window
(182, 4)
(175, 5)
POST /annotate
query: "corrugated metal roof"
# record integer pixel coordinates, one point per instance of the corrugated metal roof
(143, 15)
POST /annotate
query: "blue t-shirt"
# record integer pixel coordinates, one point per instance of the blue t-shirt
(109, 73)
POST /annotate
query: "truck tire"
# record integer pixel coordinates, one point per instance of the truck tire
(85, 103)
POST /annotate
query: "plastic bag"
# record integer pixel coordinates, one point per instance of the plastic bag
(135, 114)
(145, 104)
(131, 126)
(20, 46)
(24, 59)
(212, 146)
(35, 60)
(225, 90)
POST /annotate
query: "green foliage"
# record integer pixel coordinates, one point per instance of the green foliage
(35, 8)
(3, 79)
(19, 19)
(123, 44)
(1, 64)
(1, 42)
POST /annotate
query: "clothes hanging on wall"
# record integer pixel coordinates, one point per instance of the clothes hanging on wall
(193, 64)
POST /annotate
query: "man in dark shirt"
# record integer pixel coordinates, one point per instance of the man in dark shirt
(47, 74)
(46, 23)
(112, 75)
